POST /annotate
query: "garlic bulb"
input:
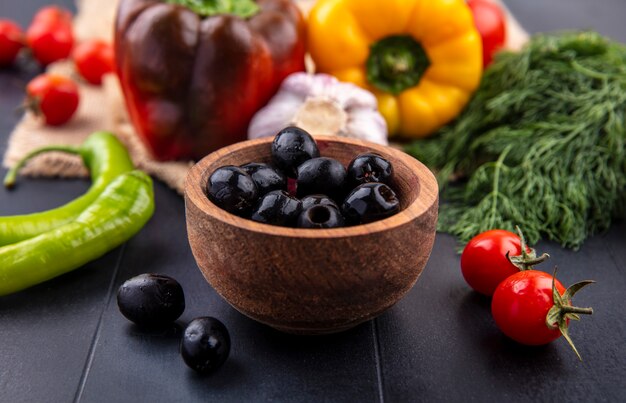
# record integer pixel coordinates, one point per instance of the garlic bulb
(321, 104)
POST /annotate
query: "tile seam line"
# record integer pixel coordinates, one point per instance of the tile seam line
(613, 256)
(96, 335)
(378, 360)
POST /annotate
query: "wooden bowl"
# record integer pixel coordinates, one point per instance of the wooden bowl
(312, 281)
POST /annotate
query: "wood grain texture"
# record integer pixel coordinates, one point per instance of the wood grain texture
(313, 281)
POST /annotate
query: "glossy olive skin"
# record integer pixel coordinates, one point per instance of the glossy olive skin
(232, 189)
(291, 147)
(369, 167)
(370, 202)
(266, 177)
(151, 300)
(321, 216)
(277, 208)
(322, 175)
(317, 199)
(205, 344)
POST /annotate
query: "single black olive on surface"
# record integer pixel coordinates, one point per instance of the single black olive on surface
(370, 202)
(266, 177)
(151, 300)
(205, 344)
(232, 189)
(321, 216)
(291, 147)
(369, 167)
(322, 175)
(314, 200)
(277, 208)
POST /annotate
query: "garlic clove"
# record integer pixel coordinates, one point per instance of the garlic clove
(277, 114)
(367, 124)
(321, 104)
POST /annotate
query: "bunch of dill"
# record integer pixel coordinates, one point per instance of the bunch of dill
(541, 145)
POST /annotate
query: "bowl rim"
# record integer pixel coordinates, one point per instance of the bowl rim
(428, 195)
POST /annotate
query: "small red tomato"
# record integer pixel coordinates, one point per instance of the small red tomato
(93, 59)
(53, 96)
(50, 35)
(533, 308)
(491, 24)
(520, 306)
(484, 262)
(11, 41)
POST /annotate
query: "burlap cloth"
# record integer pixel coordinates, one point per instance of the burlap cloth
(102, 108)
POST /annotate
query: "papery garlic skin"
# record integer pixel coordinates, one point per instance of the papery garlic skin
(321, 104)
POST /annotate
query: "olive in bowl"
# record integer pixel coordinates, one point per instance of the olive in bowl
(313, 280)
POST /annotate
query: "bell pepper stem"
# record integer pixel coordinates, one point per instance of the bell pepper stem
(396, 63)
(208, 8)
(11, 176)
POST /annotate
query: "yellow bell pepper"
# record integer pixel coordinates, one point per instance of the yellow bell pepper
(421, 58)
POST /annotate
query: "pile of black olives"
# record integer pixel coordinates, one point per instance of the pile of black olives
(326, 194)
(156, 301)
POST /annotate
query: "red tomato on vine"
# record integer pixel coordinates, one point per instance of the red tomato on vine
(50, 35)
(11, 41)
(93, 59)
(52, 96)
(533, 308)
(492, 256)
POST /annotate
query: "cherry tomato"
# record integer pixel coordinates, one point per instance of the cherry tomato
(484, 263)
(520, 305)
(94, 59)
(53, 96)
(491, 24)
(50, 35)
(11, 41)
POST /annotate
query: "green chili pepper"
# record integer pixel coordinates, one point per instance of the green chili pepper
(117, 214)
(105, 158)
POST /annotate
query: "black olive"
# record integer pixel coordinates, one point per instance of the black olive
(317, 199)
(232, 189)
(369, 167)
(151, 300)
(321, 216)
(369, 202)
(322, 175)
(277, 208)
(266, 177)
(291, 147)
(205, 344)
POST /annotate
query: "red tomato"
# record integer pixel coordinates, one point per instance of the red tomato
(49, 35)
(94, 59)
(11, 41)
(520, 305)
(491, 24)
(483, 262)
(53, 96)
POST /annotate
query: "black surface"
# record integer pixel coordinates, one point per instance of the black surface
(65, 340)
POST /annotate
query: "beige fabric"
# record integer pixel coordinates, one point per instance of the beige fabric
(102, 108)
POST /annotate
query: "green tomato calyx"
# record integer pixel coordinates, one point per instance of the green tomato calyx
(528, 259)
(562, 310)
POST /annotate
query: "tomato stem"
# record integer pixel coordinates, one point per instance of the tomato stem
(574, 309)
(527, 260)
